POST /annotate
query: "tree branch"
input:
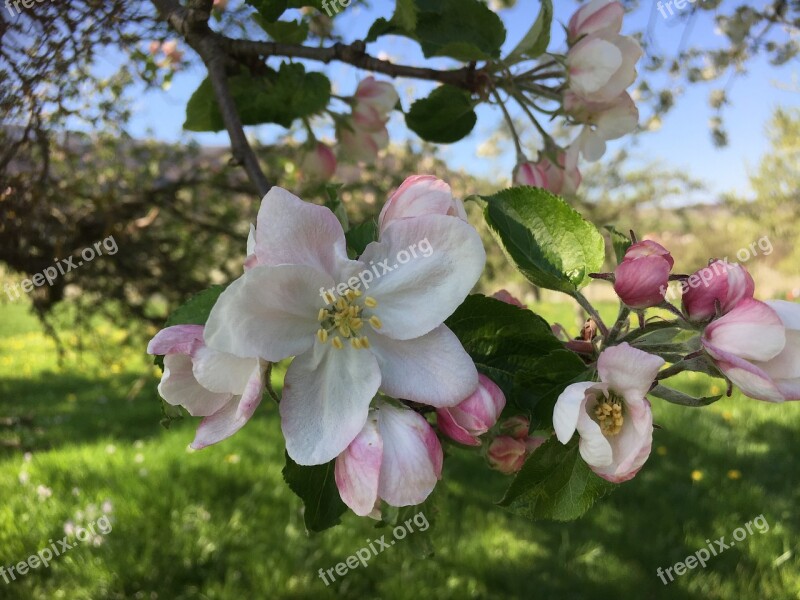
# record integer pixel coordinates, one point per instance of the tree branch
(192, 24)
(355, 54)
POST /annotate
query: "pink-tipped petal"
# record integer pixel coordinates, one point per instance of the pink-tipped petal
(358, 469)
(178, 339)
(629, 371)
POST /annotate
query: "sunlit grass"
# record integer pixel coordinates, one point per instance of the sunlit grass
(221, 523)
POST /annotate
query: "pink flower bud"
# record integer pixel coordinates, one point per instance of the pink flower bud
(532, 174)
(719, 281)
(517, 427)
(319, 164)
(641, 279)
(421, 195)
(154, 47)
(379, 95)
(508, 298)
(602, 17)
(367, 118)
(475, 415)
(220, 4)
(507, 454)
(358, 145)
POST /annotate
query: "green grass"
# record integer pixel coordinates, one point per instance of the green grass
(221, 523)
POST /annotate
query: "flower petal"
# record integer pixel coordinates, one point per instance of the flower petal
(450, 427)
(420, 195)
(568, 408)
(433, 369)
(630, 448)
(752, 331)
(628, 371)
(752, 380)
(221, 372)
(325, 401)
(594, 447)
(269, 312)
(179, 387)
(427, 267)
(358, 469)
(412, 456)
(290, 231)
(178, 339)
(231, 418)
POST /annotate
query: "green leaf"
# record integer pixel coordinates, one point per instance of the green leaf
(360, 236)
(555, 483)
(418, 521)
(548, 241)
(316, 487)
(535, 42)
(619, 241)
(676, 397)
(196, 310)
(462, 29)
(444, 117)
(501, 338)
(538, 386)
(275, 97)
(285, 32)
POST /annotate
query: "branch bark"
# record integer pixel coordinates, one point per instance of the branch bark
(192, 24)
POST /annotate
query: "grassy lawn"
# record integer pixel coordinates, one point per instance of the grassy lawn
(221, 523)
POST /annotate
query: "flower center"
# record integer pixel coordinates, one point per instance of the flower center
(608, 414)
(343, 318)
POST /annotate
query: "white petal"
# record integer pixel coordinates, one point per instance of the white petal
(358, 469)
(325, 401)
(224, 423)
(445, 259)
(752, 331)
(628, 371)
(180, 388)
(433, 369)
(630, 448)
(290, 231)
(592, 63)
(412, 456)
(594, 447)
(221, 372)
(568, 408)
(178, 339)
(269, 312)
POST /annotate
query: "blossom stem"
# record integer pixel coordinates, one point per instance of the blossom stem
(587, 306)
(520, 152)
(624, 313)
(268, 384)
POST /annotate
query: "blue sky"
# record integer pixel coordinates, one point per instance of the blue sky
(683, 142)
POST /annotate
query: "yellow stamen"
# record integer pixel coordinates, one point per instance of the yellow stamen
(322, 335)
(344, 330)
(375, 322)
(323, 314)
(355, 343)
(364, 342)
(336, 342)
(370, 302)
(609, 415)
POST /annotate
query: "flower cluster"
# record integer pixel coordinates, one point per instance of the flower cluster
(364, 361)
(601, 65)
(364, 133)
(754, 345)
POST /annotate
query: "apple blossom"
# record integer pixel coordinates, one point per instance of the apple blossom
(396, 457)
(562, 178)
(319, 164)
(602, 68)
(612, 417)
(420, 195)
(532, 174)
(359, 145)
(507, 454)
(604, 121)
(601, 17)
(223, 388)
(508, 298)
(473, 416)
(379, 95)
(749, 343)
(719, 282)
(303, 300)
(640, 280)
